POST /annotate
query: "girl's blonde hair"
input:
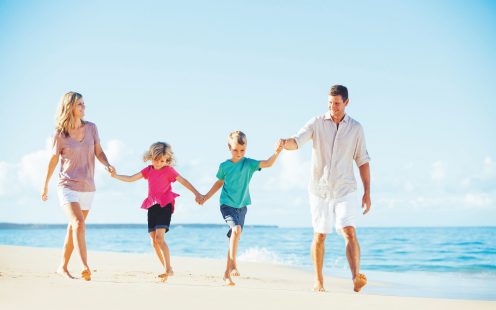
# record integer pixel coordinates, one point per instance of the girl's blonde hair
(237, 137)
(159, 149)
(65, 119)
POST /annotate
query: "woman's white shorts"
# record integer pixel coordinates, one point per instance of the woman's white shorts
(67, 196)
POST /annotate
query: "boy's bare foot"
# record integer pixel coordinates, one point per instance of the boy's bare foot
(86, 274)
(163, 277)
(359, 282)
(64, 273)
(235, 272)
(227, 279)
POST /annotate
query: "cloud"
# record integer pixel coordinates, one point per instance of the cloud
(438, 172)
(33, 167)
(293, 173)
(7, 183)
(479, 199)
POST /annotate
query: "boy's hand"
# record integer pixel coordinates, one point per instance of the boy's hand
(280, 145)
(200, 199)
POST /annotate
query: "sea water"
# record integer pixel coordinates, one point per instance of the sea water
(448, 262)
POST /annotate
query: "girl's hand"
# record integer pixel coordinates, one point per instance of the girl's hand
(200, 199)
(110, 168)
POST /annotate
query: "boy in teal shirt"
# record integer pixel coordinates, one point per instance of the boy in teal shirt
(234, 177)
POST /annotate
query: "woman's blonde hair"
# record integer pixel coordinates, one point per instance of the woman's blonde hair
(159, 149)
(237, 137)
(65, 119)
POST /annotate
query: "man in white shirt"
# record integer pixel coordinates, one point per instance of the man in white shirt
(338, 140)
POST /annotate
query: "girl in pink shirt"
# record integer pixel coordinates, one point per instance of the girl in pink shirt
(161, 199)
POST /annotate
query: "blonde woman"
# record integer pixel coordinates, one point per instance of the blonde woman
(76, 143)
(161, 199)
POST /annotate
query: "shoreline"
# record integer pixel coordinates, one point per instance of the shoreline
(128, 280)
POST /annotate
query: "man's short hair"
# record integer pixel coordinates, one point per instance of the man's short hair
(339, 90)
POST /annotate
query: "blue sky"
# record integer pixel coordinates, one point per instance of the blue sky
(421, 77)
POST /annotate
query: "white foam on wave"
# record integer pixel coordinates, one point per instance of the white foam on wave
(261, 255)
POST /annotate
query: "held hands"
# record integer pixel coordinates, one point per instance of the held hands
(111, 170)
(280, 145)
(200, 199)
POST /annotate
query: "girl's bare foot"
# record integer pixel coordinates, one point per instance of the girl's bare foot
(64, 273)
(227, 279)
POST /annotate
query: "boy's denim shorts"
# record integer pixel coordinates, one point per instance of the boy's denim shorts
(233, 217)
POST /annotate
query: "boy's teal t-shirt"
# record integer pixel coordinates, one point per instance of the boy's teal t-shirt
(237, 176)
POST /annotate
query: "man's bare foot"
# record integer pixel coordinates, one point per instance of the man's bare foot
(235, 272)
(227, 279)
(86, 274)
(319, 288)
(359, 282)
(64, 273)
(163, 277)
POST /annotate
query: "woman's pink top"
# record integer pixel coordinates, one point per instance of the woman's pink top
(77, 159)
(159, 186)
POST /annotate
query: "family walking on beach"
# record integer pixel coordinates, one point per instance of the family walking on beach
(337, 139)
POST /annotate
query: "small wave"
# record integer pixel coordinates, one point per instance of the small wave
(261, 255)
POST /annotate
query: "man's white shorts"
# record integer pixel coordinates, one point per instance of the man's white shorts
(67, 196)
(340, 212)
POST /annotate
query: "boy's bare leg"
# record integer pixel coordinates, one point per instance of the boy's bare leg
(233, 246)
(353, 256)
(317, 251)
(68, 248)
(227, 274)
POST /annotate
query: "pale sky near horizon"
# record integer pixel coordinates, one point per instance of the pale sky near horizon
(421, 77)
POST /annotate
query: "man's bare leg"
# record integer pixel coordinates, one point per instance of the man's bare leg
(353, 256)
(317, 251)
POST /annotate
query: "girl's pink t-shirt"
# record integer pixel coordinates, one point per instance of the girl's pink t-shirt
(159, 186)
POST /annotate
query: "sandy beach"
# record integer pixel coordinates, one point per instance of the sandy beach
(129, 281)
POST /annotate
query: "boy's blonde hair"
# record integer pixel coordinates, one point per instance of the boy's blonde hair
(65, 119)
(159, 149)
(237, 137)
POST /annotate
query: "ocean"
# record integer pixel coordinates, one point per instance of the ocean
(447, 262)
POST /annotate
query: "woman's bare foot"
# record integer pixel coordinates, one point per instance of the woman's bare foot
(318, 287)
(86, 274)
(235, 272)
(170, 272)
(163, 277)
(64, 273)
(227, 279)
